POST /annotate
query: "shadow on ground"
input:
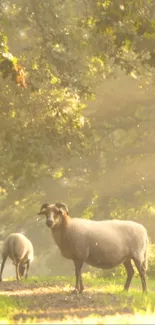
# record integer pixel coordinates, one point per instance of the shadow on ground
(52, 302)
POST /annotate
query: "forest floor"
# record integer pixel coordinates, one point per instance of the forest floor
(49, 301)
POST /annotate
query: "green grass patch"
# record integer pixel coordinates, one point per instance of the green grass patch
(44, 280)
(8, 306)
(101, 294)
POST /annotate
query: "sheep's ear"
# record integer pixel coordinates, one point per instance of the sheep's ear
(43, 209)
(62, 207)
(62, 211)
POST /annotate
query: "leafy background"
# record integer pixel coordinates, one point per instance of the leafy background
(77, 116)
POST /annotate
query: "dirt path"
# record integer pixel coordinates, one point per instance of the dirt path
(52, 303)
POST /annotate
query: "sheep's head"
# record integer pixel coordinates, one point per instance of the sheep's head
(54, 214)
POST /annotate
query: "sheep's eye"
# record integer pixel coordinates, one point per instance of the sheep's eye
(56, 212)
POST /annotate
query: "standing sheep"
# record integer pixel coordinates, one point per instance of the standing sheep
(20, 250)
(103, 244)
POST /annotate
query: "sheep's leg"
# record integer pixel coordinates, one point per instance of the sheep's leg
(79, 285)
(2, 267)
(142, 273)
(17, 271)
(27, 268)
(130, 272)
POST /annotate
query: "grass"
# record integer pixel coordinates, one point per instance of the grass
(47, 301)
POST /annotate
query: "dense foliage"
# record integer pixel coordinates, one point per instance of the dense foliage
(54, 56)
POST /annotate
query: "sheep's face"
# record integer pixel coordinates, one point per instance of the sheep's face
(53, 215)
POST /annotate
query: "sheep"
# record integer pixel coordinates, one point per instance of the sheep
(20, 250)
(102, 244)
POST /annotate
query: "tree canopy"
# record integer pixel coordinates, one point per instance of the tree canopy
(53, 57)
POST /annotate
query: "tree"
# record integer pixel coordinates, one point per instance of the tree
(66, 48)
(8, 64)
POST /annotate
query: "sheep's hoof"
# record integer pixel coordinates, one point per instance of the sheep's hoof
(75, 291)
(125, 289)
(81, 289)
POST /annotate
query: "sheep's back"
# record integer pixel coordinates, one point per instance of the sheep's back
(18, 246)
(117, 234)
(108, 228)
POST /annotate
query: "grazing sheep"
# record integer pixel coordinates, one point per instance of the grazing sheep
(20, 250)
(103, 244)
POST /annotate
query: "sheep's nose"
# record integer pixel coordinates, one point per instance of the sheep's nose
(49, 223)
